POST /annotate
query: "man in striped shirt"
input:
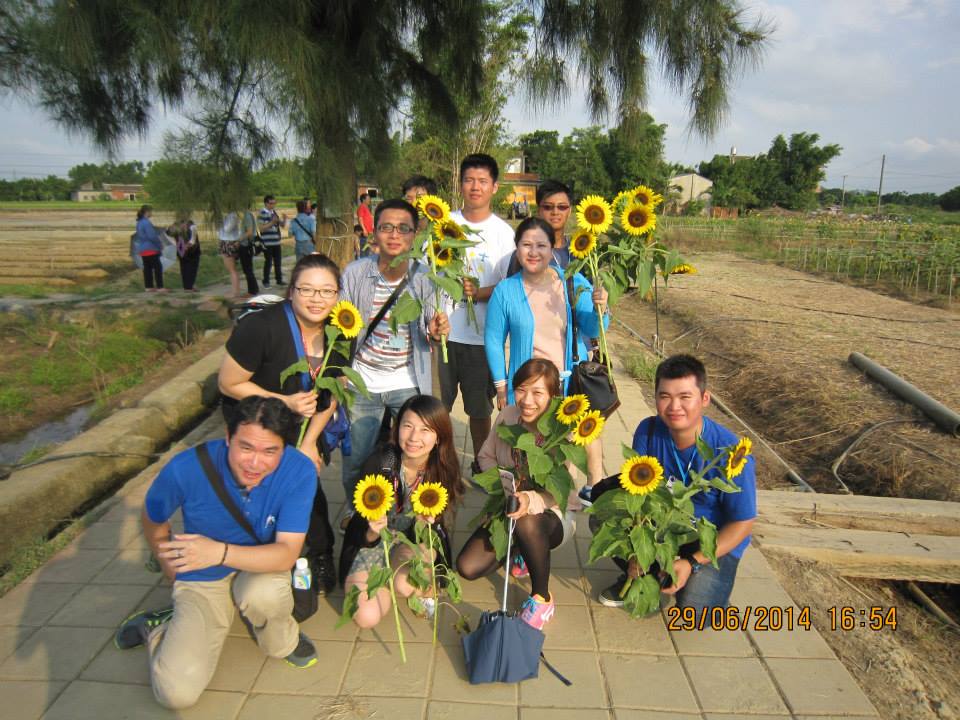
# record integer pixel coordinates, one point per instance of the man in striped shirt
(394, 365)
(269, 223)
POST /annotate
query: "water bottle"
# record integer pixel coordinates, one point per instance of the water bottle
(301, 575)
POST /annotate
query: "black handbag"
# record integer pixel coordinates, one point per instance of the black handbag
(590, 377)
(305, 603)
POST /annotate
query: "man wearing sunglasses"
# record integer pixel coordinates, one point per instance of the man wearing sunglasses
(394, 365)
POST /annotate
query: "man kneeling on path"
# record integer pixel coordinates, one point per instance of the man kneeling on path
(215, 564)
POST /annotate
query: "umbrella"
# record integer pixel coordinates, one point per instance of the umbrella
(504, 648)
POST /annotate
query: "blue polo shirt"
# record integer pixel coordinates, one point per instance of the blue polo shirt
(280, 503)
(718, 507)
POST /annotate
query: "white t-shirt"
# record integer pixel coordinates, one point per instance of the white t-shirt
(496, 242)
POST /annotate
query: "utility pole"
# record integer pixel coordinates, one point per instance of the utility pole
(843, 192)
(883, 162)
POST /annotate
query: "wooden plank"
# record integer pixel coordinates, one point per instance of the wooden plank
(930, 517)
(868, 553)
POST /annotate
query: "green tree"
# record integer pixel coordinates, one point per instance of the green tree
(633, 153)
(796, 168)
(536, 147)
(950, 200)
(578, 161)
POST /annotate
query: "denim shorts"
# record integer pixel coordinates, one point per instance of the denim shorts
(711, 587)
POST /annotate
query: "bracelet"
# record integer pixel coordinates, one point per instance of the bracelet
(224, 558)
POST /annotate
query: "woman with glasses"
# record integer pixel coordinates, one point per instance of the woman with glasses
(263, 345)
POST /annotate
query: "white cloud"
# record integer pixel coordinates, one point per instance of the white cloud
(917, 145)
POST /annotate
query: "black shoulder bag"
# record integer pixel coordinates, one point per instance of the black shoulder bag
(590, 378)
(304, 601)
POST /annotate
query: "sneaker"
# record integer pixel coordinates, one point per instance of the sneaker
(264, 284)
(324, 574)
(343, 519)
(537, 612)
(610, 597)
(518, 568)
(304, 655)
(134, 631)
(585, 496)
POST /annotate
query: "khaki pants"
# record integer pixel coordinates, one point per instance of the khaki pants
(184, 652)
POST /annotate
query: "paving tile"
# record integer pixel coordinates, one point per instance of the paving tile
(32, 603)
(791, 644)
(581, 668)
(758, 592)
(485, 590)
(570, 629)
(321, 679)
(56, 653)
(722, 643)
(563, 714)
(110, 535)
(393, 708)
(720, 686)
(29, 698)
(735, 716)
(754, 565)
(467, 711)
(631, 714)
(131, 667)
(73, 565)
(618, 632)
(565, 556)
(450, 682)
(128, 568)
(11, 637)
(320, 627)
(597, 578)
(239, 666)
(84, 700)
(415, 630)
(258, 707)
(664, 685)
(376, 669)
(819, 687)
(100, 606)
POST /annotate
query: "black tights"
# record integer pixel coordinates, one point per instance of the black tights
(535, 536)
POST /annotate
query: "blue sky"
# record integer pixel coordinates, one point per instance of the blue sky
(874, 76)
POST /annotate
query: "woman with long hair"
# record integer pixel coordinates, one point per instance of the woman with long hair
(421, 450)
(264, 344)
(540, 524)
(149, 246)
(229, 248)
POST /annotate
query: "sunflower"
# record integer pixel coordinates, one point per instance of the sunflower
(430, 499)
(683, 269)
(346, 317)
(582, 244)
(622, 197)
(434, 208)
(737, 459)
(443, 256)
(642, 195)
(572, 409)
(588, 429)
(638, 219)
(641, 474)
(373, 497)
(448, 230)
(594, 214)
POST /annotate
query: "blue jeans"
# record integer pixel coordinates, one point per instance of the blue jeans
(711, 587)
(303, 248)
(365, 418)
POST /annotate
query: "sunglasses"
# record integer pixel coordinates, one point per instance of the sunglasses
(550, 207)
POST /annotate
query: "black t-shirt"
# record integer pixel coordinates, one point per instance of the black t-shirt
(262, 344)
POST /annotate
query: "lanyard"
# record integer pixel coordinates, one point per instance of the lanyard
(676, 457)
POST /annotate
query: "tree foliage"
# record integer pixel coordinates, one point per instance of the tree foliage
(108, 172)
(950, 200)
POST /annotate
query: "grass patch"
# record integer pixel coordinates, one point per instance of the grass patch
(14, 400)
(35, 453)
(641, 366)
(33, 292)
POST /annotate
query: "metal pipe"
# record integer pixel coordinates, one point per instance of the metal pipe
(945, 418)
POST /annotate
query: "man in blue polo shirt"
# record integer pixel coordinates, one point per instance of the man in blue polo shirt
(215, 564)
(681, 391)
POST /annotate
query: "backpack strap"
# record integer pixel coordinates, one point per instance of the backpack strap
(297, 342)
(220, 488)
(573, 320)
(300, 225)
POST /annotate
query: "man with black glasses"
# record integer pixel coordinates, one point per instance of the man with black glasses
(394, 365)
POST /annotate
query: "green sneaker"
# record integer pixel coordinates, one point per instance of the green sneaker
(304, 655)
(134, 631)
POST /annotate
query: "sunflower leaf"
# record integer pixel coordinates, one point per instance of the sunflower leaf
(540, 465)
(634, 504)
(416, 605)
(405, 310)
(454, 588)
(351, 603)
(451, 286)
(301, 366)
(547, 424)
(510, 434)
(498, 536)
(602, 541)
(417, 574)
(613, 502)
(378, 578)
(643, 597)
(703, 447)
(489, 480)
(455, 244)
(724, 485)
(707, 533)
(332, 332)
(628, 452)
(354, 377)
(641, 541)
(645, 274)
(576, 455)
(559, 484)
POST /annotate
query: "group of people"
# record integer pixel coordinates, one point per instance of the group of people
(147, 245)
(521, 301)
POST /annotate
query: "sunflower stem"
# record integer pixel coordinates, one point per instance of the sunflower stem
(594, 270)
(393, 597)
(433, 581)
(432, 257)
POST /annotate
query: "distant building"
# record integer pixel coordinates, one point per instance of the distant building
(687, 188)
(114, 191)
(520, 184)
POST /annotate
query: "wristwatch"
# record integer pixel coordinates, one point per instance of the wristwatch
(695, 565)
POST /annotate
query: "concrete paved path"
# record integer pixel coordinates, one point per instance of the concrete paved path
(57, 659)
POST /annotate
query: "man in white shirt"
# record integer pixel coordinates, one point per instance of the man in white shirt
(467, 367)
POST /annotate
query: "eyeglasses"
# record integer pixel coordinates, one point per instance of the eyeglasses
(308, 292)
(550, 207)
(387, 228)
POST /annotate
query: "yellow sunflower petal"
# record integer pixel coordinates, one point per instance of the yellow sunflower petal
(429, 499)
(373, 497)
(684, 269)
(737, 458)
(434, 208)
(594, 214)
(572, 409)
(642, 195)
(641, 474)
(448, 230)
(588, 428)
(346, 317)
(442, 256)
(638, 219)
(582, 243)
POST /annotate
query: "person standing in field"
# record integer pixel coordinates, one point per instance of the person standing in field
(304, 229)
(148, 244)
(269, 225)
(467, 369)
(364, 216)
(188, 251)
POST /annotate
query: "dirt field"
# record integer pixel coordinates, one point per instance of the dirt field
(776, 343)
